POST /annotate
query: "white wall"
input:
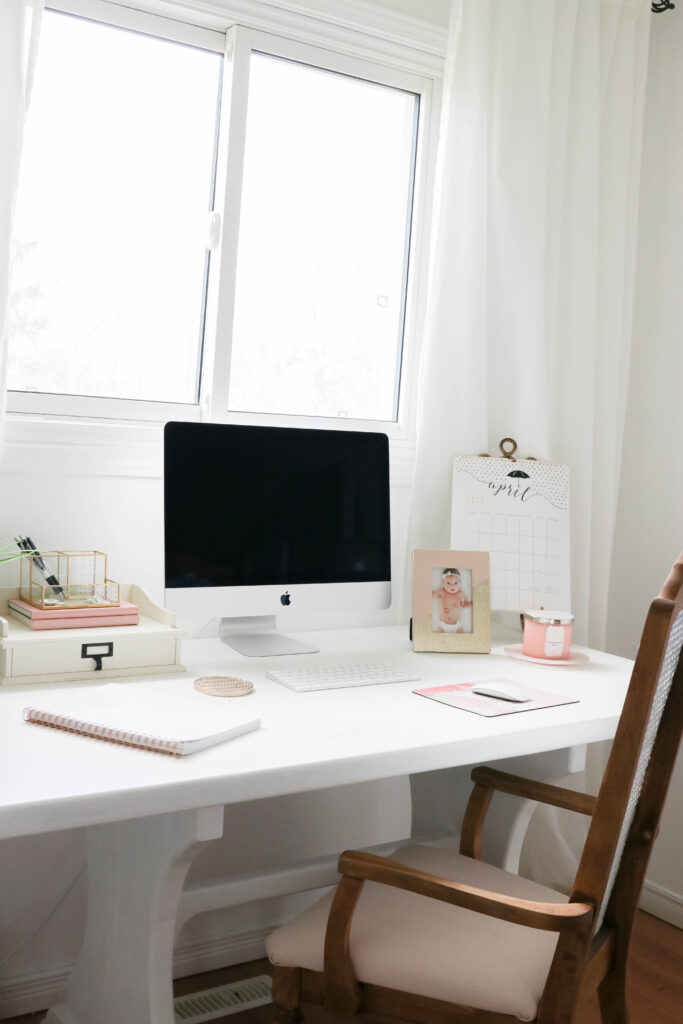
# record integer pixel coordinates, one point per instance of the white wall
(118, 515)
(649, 529)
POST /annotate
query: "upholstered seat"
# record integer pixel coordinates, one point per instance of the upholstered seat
(401, 941)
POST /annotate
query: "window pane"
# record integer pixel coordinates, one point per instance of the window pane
(322, 257)
(109, 267)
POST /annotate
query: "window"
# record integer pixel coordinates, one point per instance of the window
(322, 252)
(109, 257)
(199, 231)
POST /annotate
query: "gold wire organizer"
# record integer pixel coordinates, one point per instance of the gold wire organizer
(68, 579)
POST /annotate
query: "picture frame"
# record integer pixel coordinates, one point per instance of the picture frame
(451, 601)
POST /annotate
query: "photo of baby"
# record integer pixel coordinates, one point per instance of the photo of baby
(451, 600)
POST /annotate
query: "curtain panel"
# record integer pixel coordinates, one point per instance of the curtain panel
(532, 277)
(19, 32)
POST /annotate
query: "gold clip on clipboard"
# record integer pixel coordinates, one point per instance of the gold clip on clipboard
(507, 447)
(521, 516)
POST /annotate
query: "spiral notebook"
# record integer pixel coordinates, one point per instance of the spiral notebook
(136, 718)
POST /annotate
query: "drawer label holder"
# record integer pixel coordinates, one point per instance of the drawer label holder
(97, 652)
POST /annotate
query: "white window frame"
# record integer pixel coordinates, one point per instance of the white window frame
(328, 46)
(46, 404)
(241, 43)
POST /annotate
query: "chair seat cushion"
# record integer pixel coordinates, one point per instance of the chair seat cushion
(404, 941)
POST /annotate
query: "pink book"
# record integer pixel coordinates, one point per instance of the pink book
(61, 622)
(125, 614)
(95, 611)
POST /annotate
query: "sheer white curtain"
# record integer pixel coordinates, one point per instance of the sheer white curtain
(529, 319)
(19, 30)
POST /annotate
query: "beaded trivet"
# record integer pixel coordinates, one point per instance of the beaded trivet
(223, 686)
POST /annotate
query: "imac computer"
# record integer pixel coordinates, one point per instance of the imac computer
(271, 521)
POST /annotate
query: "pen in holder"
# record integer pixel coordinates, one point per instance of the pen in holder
(67, 579)
(30, 550)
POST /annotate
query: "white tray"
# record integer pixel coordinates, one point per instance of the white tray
(57, 655)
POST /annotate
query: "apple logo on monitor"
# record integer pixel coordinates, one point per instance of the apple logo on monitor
(285, 599)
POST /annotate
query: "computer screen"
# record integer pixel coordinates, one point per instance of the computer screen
(259, 520)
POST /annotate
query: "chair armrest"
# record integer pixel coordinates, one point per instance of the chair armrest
(558, 796)
(489, 780)
(554, 917)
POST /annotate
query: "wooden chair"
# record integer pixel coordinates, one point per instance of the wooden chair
(433, 937)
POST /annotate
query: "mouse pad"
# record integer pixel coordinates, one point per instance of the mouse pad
(460, 695)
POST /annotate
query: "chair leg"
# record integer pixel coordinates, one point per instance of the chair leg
(612, 997)
(286, 1016)
(287, 995)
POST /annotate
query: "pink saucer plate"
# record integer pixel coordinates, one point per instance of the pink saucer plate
(575, 657)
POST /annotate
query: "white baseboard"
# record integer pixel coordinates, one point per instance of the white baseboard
(212, 954)
(29, 993)
(662, 903)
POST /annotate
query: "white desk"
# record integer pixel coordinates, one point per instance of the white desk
(147, 815)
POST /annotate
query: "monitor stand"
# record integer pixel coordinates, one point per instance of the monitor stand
(257, 637)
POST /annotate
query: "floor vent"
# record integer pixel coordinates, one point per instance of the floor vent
(210, 1003)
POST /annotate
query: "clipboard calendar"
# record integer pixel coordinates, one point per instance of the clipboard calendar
(518, 510)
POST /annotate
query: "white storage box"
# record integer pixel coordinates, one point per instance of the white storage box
(59, 655)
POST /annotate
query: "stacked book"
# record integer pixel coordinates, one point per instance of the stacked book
(124, 614)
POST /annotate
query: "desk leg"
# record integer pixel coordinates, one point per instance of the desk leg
(136, 871)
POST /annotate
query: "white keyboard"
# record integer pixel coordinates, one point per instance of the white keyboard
(332, 677)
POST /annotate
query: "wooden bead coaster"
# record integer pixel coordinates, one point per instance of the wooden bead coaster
(223, 686)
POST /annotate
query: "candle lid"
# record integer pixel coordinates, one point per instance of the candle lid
(551, 617)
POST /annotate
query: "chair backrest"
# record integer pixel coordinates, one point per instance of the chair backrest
(636, 780)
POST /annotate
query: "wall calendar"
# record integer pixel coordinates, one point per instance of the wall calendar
(518, 510)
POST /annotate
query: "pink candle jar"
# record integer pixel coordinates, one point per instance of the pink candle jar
(547, 634)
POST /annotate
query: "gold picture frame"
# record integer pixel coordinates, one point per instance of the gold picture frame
(451, 601)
